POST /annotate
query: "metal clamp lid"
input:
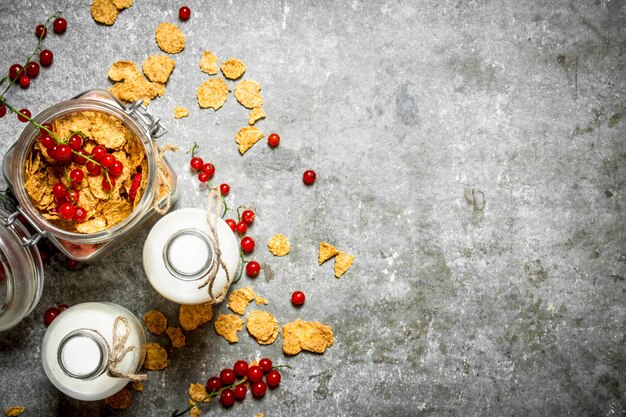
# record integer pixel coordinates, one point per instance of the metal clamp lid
(27, 241)
(143, 116)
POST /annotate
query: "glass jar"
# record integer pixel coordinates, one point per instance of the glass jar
(76, 348)
(87, 247)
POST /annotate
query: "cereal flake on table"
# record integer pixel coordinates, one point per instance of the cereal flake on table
(155, 321)
(158, 68)
(227, 326)
(279, 245)
(262, 326)
(169, 38)
(233, 68)
(191, 317)
(208, 62)
(130, 84)
(255, 115)
(212, 93)
(247, 137)
(198, 393)
(176, 336)
(248, 94)
(120, 400)
(310, 336)
(194, 411)
(137, 386)
(180, 112)
(239, 300)
(327, 251)
(123, 4)
(156, 357)
(343, 261)
(14, 411)
(260, 300)
(104, 11)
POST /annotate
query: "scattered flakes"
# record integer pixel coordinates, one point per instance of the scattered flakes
(239, 299)
(123, 4)
(262, 326)
(170, 38)
(137, 386)
(255, 115)
(191, 317)
(212, 93)
(248, 93)
(260, 300)
(198, 393)
(327, 251)
(176, 336)
(180, 112)
(247, 137)
(233, 68)
(310, 336)
(194, 411)
(131, 85)
(156, 322)
(14, 411)
(208, 62)
(227, 326)
(156, 357)
(279, 245)
(120, 400)
(158, 68)
(104, 11)
(343, 261)
(121, 70)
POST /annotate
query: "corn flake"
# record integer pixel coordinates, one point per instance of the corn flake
(255, 115)
(176, 336)
(123, 4)
(14, 411)
(327, 251)
(227, 326)
(191, 317)
(104, 11)
(119, 400)
(239, 299)
(262, 326)
(247, 137)
(194, 411)
(137, 386)
(233, 68)
(248, 93)
(310, 336)
(155, 321)
(158, 68)
(260, 300)
(212, 93)
(198, 393)
(279, 245)
(180, 112)
(208, 63)
(170, 38)
(343, 261)
(156, 357)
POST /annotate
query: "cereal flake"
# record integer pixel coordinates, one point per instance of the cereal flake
(120, 400)
(180, 112)
(247, 137)
(158, 68)
(260, 300)
(327, 251)
(208, 62)
(191, 317)
(104, 11)
(137, 386)
(131, 85)
(255, 115)
(156, 357)
(262, 326)
(227, 326)
(248, 93)
(233, 68)
(239, 299)
(343, 261)
(170, 38)
(176, 336)
(155, 321)
(123, 4)
(198, 393)
(279, 245)
(310, 336)
(212, 93)
(14, 411)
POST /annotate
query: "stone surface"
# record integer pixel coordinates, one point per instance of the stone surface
(470, 154)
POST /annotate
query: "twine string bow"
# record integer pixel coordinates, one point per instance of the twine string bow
(118, 350)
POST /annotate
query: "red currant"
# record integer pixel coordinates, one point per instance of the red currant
(93, 168)
(77, 175)
(98, 152)
(80, 214)
(75, 142)
(59, 25)
(59, 190)
(227, 377)
(15, 71)
(266, 364)
(62, 153)
(308, 177)
(32, 69)
(208, 169)
(231, 223)
(24, 82)
(45, 57)
(297, 298)
(107, 160)
(80, 160)
(108, 183)
(203, 177)
(224, 189)
(241, 228)
(49, 315)
(116, 169)
(41, 31)
(71, 263)
(58, 200)
(247, 244)
(252, 269)
(227, 398)
(45, 125)
(63, 307)
(273, 140)
(273, 379)
(258, 389)
(184, 13)
(3, 110)
(255, 373)
(196, 163)
(23, 114)
(248, 217)
(47, 141)
(66, 210)
(241, 368)
(73, 197)
(213, 384)
(240, 392)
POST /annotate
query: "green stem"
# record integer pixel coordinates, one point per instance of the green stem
(193, 149)
(30, 119)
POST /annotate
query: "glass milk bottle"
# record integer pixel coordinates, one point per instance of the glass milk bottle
(92, 350)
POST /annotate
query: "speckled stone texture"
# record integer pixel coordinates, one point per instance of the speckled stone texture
(470, 154)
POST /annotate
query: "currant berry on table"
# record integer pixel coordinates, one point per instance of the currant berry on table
(231, 223)
(213, 384)
(248, 217)
(255, 373)
(252, 269)
(273, 379)
(273, 140)
(258, 389)
(196, 163)
(15, 71)
(224, 189)
(41, 31)
(266, 364)
(23, 114)
(309, 177)
(59, 25)
(49, 315)
(241, 228)
(227, 377)
(184, 13)
(46, 57)
(241, 368)
(247, 244)
(298, 298)
(227, 398)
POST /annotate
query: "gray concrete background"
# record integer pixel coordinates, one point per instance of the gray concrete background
(470, 154)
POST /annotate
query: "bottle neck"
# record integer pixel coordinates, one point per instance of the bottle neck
(189, 255)
(83, 354)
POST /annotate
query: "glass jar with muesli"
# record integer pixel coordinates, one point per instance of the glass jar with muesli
(92, 176)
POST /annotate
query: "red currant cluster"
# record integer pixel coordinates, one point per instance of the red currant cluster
(50, 314)
(205, 170)
(98, 161)
(245, 219)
